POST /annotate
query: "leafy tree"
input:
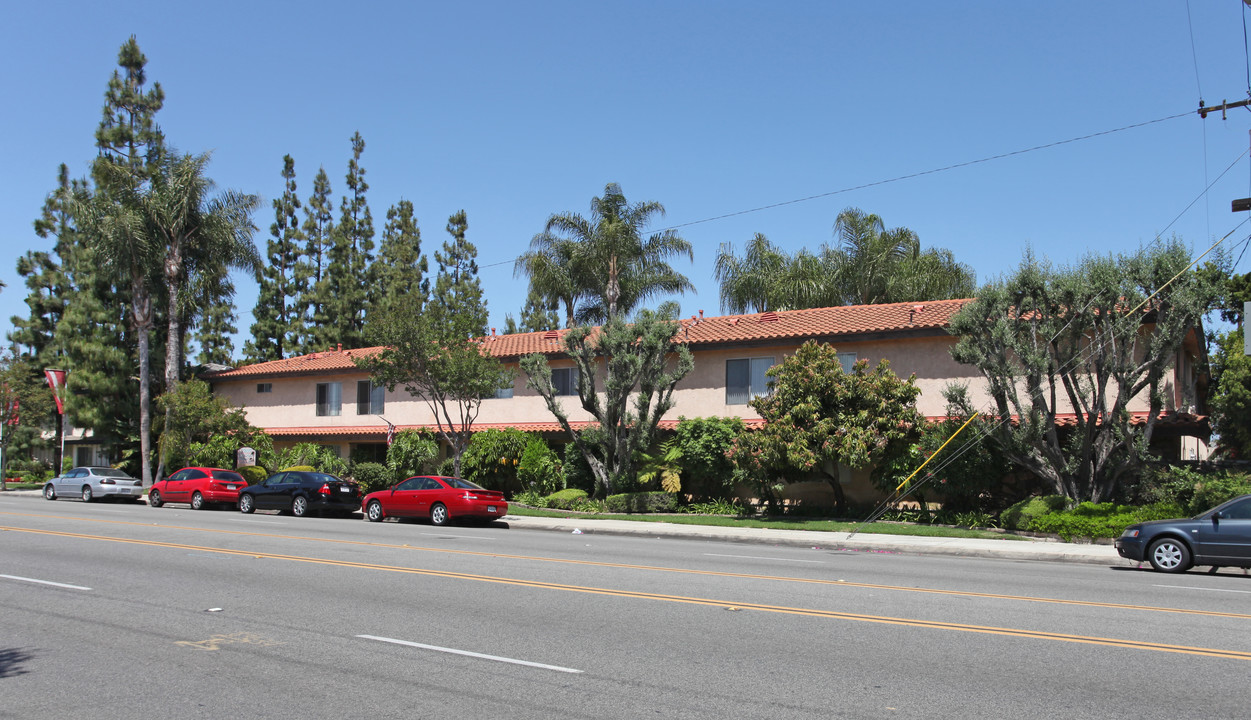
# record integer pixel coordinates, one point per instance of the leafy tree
(705, 442)
(434, 354)
(540, 470)
(351, 257)
(1231, 395)
(26, 405)
(401, 268)
(602, 266)
(276, 324)
(202, 428)
(413, 452)
(818, 417)
(492, 458)
(314, 304)
(641, 363)
(1085, 340)
(870, 264)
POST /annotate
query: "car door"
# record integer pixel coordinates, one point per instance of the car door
(175, 488)
(264, 493)
(403, 499)
(1226, 536)
(192, 481)
(428, 493)
(70, 483)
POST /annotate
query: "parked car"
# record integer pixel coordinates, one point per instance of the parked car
(199, 486)
(301, 493)
(441, 499)
(92, 483)
(1219, 537)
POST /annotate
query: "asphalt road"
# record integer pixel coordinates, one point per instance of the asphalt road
(126, 611)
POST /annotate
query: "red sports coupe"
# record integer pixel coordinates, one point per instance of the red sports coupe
(441, 499)
(199, 486)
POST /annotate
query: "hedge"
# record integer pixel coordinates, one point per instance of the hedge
(642, 502)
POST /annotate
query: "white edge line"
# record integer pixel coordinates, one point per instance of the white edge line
(753, 557)
(466, 653)
(1187, 587)
(45, 582)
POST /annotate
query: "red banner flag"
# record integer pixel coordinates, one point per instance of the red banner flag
(56, 381)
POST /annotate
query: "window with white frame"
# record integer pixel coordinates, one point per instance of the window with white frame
(565, 381)
(745, 379)
(329, 399)
(369, 398)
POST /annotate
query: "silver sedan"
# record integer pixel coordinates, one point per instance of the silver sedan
(91, 483)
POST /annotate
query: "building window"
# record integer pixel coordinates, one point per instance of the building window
(565, 381)
(847, 360)
(504, 393)
(369, 398)
(745, 379)
(264, 387)
(329, 399)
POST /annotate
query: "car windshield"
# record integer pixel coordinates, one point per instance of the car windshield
(227, 475)
(462, 484)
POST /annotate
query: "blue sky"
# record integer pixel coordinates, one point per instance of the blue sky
(516, 111)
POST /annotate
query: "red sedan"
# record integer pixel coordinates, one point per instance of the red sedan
(199, 486)
(439, 498)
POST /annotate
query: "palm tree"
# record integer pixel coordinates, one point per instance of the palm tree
(766, 278)
(603, 263)
(879, 265)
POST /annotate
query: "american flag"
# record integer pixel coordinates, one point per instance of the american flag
(390, 434)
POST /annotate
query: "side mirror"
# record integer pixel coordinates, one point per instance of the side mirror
(1216, 516)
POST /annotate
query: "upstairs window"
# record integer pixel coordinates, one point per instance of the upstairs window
(745, 379)
(329, 399)
(264, 387)
(565, 381)
(503, 393)
(369, 398)
(847, 360)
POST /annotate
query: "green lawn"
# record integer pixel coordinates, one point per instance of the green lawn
(22, 486)
(879, 528)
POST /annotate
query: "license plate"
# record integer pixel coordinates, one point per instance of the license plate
(344, 489)
(490, 508)
(230, 487)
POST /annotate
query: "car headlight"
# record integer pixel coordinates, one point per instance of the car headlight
(1131, 532)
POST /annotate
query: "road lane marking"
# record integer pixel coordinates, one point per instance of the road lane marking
(706, 602)
(462, 537)
(467, 653)
(659, 568)
(45, 582)
(1187, 587)
(753, 557)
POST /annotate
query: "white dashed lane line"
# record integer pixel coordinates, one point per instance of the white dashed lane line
(466, 653)
(44, 582)
(753, 557)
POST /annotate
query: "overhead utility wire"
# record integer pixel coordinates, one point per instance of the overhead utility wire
(900, 178)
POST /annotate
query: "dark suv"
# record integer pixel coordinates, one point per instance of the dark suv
(301, 493)
(1220, 536)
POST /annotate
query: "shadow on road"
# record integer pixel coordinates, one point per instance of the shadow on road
(11, 660)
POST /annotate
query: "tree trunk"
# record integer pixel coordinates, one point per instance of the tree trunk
(173, 340)
(142, 306)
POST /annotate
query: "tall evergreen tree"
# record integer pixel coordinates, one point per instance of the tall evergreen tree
(457, 296)
(44, 272)
(313, 306)
(537, 315)
(351, 256)
(400, 275)
(276, 325)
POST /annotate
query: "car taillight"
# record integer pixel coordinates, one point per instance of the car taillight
(325, 489)
(108, 481)
(470, 496)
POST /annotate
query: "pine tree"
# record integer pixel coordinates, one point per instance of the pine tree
(128, 133)
(400, 276)
(351, 256)
(312, 307)
(44, 272)
(276, 324)
(457, 299)
(537, 315)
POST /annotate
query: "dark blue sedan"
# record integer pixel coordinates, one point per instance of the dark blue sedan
(1219, 537)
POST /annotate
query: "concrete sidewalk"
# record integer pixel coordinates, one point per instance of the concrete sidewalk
(1014, 549)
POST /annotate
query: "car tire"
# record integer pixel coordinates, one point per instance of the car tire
(197, 501)
(299, 506)
(373, 512)
(88, 496)
(439, 515)
(1169, 555)
(246, 504)
(154, 499)
(49, 492)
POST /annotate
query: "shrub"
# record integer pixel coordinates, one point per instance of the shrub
(253, 473)
(704, 442)
(1019, 515)
(1216, 489)
(566, 499)
(533, 498)
(719, 506)
(412, 452)
(371, 476)
(641, 502)
(1103, 520)
(577, 473)
(492, 459)
(540, 469)
(301, 468)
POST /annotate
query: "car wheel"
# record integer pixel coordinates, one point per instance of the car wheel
(1169, 555)
(154, 499)
(299, 506)
(438, 514)
(374, 511)
(87, 495)
(49, 492)
(197, 501)
(246, 504)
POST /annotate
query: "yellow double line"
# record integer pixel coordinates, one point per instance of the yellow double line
(708, 602)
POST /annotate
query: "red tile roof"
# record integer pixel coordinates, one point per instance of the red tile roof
(781, 326)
